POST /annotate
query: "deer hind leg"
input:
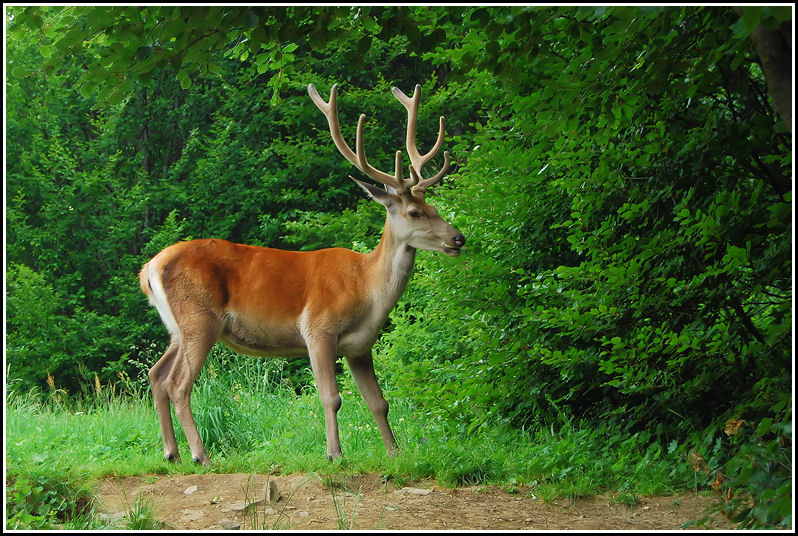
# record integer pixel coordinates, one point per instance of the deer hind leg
(362, 369)
(158, 374)
(195, 345)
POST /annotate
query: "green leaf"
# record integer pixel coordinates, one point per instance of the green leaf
(748, 22)
(185, 80)
(764, 426)
(262, 66)
(87, 89)
(21, 72)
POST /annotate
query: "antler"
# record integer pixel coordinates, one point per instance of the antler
(358, 159)
(417, 159)
(416, 184)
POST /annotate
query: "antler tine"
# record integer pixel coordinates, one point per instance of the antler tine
(358, 159)
(418, 160)
(423, 184)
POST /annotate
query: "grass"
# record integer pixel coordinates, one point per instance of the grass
(346, 520)
(252, 421)
(142, 515)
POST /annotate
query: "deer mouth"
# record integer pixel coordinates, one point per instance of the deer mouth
(451, 251)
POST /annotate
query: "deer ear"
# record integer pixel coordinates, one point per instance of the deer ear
(378, 194)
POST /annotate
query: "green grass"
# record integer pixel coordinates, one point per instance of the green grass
(142, 515)
(252, 421)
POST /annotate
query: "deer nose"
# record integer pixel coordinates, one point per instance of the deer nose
(459, 240)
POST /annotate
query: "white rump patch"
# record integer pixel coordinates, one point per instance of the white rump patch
(158, 299)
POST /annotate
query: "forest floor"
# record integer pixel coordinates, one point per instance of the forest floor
(364, 502)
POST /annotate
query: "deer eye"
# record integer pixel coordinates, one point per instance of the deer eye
(414, 214)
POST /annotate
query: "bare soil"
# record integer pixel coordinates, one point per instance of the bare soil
(364, 502)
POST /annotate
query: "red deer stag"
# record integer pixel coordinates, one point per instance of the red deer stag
(269, 302)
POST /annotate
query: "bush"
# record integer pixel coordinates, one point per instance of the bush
(758, 478)
(43, 499)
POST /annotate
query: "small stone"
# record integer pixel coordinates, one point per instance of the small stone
(271, 491)
(229, 524)
(303, 514)
(235, 506)
(191, 515)
(412, 491)
(189, 490)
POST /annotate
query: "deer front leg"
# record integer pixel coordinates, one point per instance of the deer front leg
(322, 351)
(362, 369)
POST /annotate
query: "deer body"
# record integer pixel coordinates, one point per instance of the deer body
(270, 302)
(323, 289)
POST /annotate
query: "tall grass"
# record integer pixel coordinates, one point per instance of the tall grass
(252, 419)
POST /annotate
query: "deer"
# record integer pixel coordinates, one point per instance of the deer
(322, 304)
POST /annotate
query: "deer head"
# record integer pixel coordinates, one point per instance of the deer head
(411, 219)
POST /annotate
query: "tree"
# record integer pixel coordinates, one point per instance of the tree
(622, 173)
(649, 146)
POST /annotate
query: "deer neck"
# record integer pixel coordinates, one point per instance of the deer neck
(392, 262)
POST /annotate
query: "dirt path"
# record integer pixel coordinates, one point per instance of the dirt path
(213, 501)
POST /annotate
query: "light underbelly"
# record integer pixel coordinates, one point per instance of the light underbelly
(282, 340)
(262, 340)
(236, 346)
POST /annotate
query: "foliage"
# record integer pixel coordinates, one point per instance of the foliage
(632, 262)
(758, 477)
(44, 499)
(621, 175)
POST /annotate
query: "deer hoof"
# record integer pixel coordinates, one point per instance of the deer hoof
(205, 461)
